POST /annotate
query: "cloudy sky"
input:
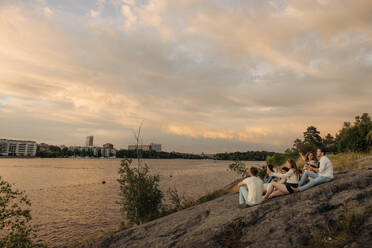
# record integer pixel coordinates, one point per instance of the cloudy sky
(202, 75)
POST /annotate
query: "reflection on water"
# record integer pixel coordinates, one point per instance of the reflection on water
(70, 204)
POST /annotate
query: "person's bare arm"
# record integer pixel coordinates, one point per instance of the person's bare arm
(241, 184)
(302, 156)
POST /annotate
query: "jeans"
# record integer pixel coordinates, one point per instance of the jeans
(268, 180)
(243, 195)
(316, 181)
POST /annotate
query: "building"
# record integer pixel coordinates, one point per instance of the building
(18, 148)
(108, 146)
(89, 141)
(151, 147)
(94, 151)
(139, 147)
(155, 147)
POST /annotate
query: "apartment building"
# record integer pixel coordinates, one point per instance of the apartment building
(17, 148)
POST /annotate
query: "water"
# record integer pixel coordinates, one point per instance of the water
(70, 204)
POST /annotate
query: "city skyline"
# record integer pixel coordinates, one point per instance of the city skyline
(202, 76)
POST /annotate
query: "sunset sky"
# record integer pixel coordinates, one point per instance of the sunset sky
(202, 75)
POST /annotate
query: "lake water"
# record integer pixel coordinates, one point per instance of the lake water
(70, 204)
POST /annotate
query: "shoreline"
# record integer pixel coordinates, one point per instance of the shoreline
(206, 159)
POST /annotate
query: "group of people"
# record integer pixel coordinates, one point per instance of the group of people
(253, 190)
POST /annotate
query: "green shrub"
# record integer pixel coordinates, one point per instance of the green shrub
(140, 195)
(16, 230)
(243, 170)
(279, 159)
(240, 168)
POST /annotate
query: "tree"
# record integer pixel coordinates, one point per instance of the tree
(140, 195)
(141, 199)
(355, 137)
(16, 230)
(369, 138)
(312, 137)
(329, 143)
(312, 140)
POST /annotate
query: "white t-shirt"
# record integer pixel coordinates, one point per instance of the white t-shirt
(325, 167)
(255, 190)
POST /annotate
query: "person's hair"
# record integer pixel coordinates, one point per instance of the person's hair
(253, 171)
(271, 168)
(308, 155)
(285, 169)
(293, 165)
(323, 150)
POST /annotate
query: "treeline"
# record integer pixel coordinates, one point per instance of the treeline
(56, 152)
(247, 156)
(157, 155)
(353, 137)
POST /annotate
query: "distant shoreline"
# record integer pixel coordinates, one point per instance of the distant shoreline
(210, 159)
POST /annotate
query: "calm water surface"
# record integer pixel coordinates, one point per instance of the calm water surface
(70, 204)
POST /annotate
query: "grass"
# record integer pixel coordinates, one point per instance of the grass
(343, 232)
(342, 161)
(180, 202)
(347, 161)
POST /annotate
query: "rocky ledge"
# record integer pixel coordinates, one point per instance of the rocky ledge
(287, 221)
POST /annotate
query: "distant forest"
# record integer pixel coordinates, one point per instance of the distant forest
(157, 155)
(247, 156)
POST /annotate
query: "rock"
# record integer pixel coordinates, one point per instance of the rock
(285, 221)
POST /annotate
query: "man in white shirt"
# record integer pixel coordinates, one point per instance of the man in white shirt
(323, 174)
(250, 189)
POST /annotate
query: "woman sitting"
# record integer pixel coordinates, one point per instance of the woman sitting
(310, 161)
(292, 177)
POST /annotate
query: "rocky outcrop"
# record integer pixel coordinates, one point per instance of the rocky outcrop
(287, 221)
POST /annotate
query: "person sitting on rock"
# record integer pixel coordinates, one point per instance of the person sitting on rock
(323, 174)
(310, 161)
(268, 178)
(250, 189)
(291, 176)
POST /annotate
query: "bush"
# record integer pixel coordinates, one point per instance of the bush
(16, 230)
(140, 195)
(242, 170)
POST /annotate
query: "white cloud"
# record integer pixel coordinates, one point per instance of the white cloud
(129, 2)
(48, 12)
(100, 6)
(130, 18)
(94, 13)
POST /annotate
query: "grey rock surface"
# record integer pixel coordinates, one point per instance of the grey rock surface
(286, 221)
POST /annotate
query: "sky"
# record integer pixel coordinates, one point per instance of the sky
(200, 75)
